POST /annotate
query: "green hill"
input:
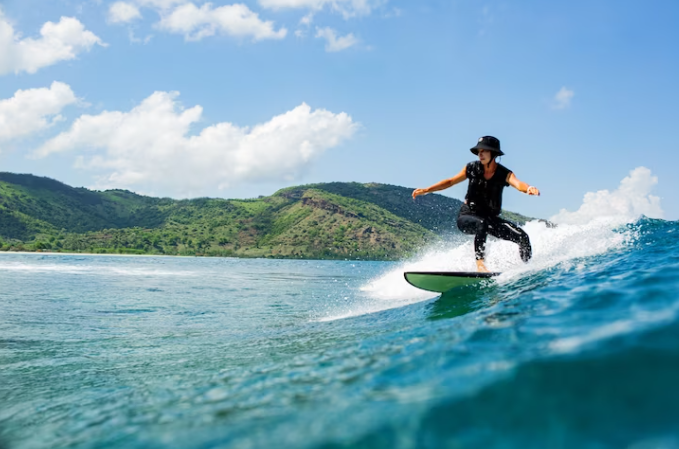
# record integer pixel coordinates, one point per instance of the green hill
(332, 220)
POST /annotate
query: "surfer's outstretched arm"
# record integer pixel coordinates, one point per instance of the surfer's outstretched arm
(521, 186)
(446, 183)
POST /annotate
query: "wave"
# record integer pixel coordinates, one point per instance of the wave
(606, 221)
(563, 245)
(608, 401)
(568, 248)
(94, 270)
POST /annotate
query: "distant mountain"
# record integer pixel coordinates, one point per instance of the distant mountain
(332, 220)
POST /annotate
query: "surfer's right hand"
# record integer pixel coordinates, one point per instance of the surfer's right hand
(418, 192)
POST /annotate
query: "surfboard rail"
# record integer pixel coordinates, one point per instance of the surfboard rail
(443, 281)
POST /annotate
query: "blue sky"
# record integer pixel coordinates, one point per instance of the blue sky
(188, 98)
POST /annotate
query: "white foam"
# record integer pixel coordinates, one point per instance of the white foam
(393, 286)
(551, 246)
(90, 270)
(592, 230)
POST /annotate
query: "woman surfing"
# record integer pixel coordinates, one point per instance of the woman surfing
(479, 215)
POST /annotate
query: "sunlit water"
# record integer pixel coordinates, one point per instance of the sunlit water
(577, 349)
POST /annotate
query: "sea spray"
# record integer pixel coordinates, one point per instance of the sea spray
(598, 226)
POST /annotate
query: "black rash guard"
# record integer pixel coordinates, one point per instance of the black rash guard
(484, 196)
(480, 214)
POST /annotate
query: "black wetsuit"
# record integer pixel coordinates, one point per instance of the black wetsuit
(480, 213)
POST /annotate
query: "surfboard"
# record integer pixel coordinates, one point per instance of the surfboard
(442, 281)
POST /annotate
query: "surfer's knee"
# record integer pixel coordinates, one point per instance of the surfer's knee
(521, 238)
(524, 240)
(469, 224)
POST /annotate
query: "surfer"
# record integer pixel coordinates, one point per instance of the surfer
(479, 215)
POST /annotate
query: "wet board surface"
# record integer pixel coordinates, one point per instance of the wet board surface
(442, 281)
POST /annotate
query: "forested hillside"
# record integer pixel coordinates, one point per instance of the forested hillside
(332, 220)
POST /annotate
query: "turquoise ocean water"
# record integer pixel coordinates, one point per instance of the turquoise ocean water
(577, 349)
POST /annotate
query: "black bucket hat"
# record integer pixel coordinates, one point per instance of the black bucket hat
(489, 143)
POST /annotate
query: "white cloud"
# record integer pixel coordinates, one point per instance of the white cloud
(335, 43)
(160, 4)
(348, 8)
(631, 200)
(58, 42)
(563, 98)
(150, 147)
(235, 20)
(396, 12)
(306, 20)
(123, 12)
(137, 40)
(33, 110)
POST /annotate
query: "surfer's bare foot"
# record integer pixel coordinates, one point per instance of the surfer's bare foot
(481, 267)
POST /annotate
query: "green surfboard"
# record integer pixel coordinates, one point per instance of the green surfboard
(442, 281)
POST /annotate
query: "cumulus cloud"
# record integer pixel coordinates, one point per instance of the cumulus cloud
(563, 98)
(348, 8)
(123, 12)
(33, 110)
(631, 200)
(150, 147)
(58, 42)
(334, 43)
(235, 20)
(160, 4)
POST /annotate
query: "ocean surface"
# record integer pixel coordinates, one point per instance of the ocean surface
(577, 349)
